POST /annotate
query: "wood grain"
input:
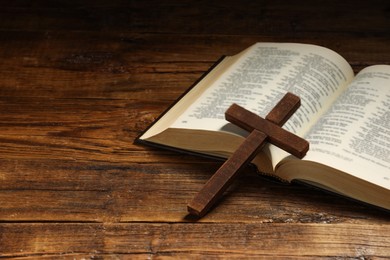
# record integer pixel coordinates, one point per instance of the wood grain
(80, 80)
(167, 240)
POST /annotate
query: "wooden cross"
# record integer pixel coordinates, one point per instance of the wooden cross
(261, 130)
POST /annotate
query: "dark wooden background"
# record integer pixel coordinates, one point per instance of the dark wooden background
(79, 80)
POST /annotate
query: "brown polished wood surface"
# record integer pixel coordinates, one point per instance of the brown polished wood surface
(80, 80)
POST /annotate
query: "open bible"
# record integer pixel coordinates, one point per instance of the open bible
(345, 118)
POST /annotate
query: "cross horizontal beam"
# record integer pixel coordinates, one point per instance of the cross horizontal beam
(276, 135)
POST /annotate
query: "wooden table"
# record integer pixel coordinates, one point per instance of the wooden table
(80, 80)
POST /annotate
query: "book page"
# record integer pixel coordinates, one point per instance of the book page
(262, 76)
(354, 135)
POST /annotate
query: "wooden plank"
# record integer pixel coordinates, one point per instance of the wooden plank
(247, 17)
(164, 239)
(66, 191)
(130, 66)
